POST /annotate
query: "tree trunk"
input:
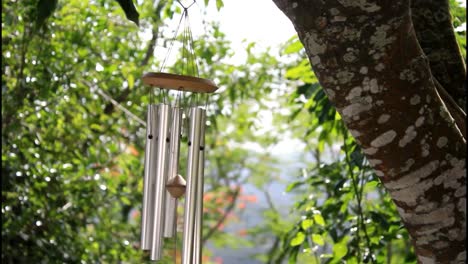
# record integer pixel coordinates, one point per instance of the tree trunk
(371, 66)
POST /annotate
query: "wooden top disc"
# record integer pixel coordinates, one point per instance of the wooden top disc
(179, 82)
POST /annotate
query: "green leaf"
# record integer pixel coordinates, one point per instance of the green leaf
(293, 185)
(319, 219)
(125, 200)
(353, 260)
(96, 127)
(219, 4)
(131, 81)
(298, 239)
(130, 11)
(301, 72)
(371, 185)
(340, 249)
(318, 239)
(307, 223)
(294, 47)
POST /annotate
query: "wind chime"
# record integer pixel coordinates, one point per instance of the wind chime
(163, 185)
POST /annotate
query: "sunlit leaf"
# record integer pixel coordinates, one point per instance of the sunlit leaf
(293, 185)
(318, 239)
(371, 185)
(298, 239)
(125, 200)
(131, 81)
(219, 4)
(306, 224)
(294, 47)
(319, 219)
(340, 249)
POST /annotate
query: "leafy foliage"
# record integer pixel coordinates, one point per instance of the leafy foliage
(344, 215)
(72, 160)
(459, 23)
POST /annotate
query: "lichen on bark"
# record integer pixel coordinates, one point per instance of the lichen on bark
(386, 92)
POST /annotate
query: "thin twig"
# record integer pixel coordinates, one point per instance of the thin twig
(272, 250)
(351, 174)
(154, 37)
(270, 201)
(457, 113)
(151, 46)
(361, 191)
(115, 103)
(358, 196)
(223, 218)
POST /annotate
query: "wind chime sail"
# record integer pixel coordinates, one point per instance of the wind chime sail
(163, 185)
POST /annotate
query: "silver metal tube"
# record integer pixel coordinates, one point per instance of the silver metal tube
(173, 170)
(197, 242)
(160, 183)
(191, 190)
(149, 178)
(170, 216)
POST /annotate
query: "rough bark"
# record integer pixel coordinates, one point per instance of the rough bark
(370, 64)
(433, 25)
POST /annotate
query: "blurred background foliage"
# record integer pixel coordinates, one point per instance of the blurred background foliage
(73, 148)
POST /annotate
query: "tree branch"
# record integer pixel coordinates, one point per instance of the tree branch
(272, 250)
(434, 29)
(270, 201)
(276, 243)
(456, 112)
(152, 43)
(115, 103)
(358, 191)
(223, 217)
(151, 46)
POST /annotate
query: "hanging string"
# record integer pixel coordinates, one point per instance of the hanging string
(207, 98)
(194, 61)
(192, 50)
(190, 65)
(188, 52)
(194, 1)
(171, 45)
(185, 58)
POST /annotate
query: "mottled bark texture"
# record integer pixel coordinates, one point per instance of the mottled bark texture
(371, 66)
